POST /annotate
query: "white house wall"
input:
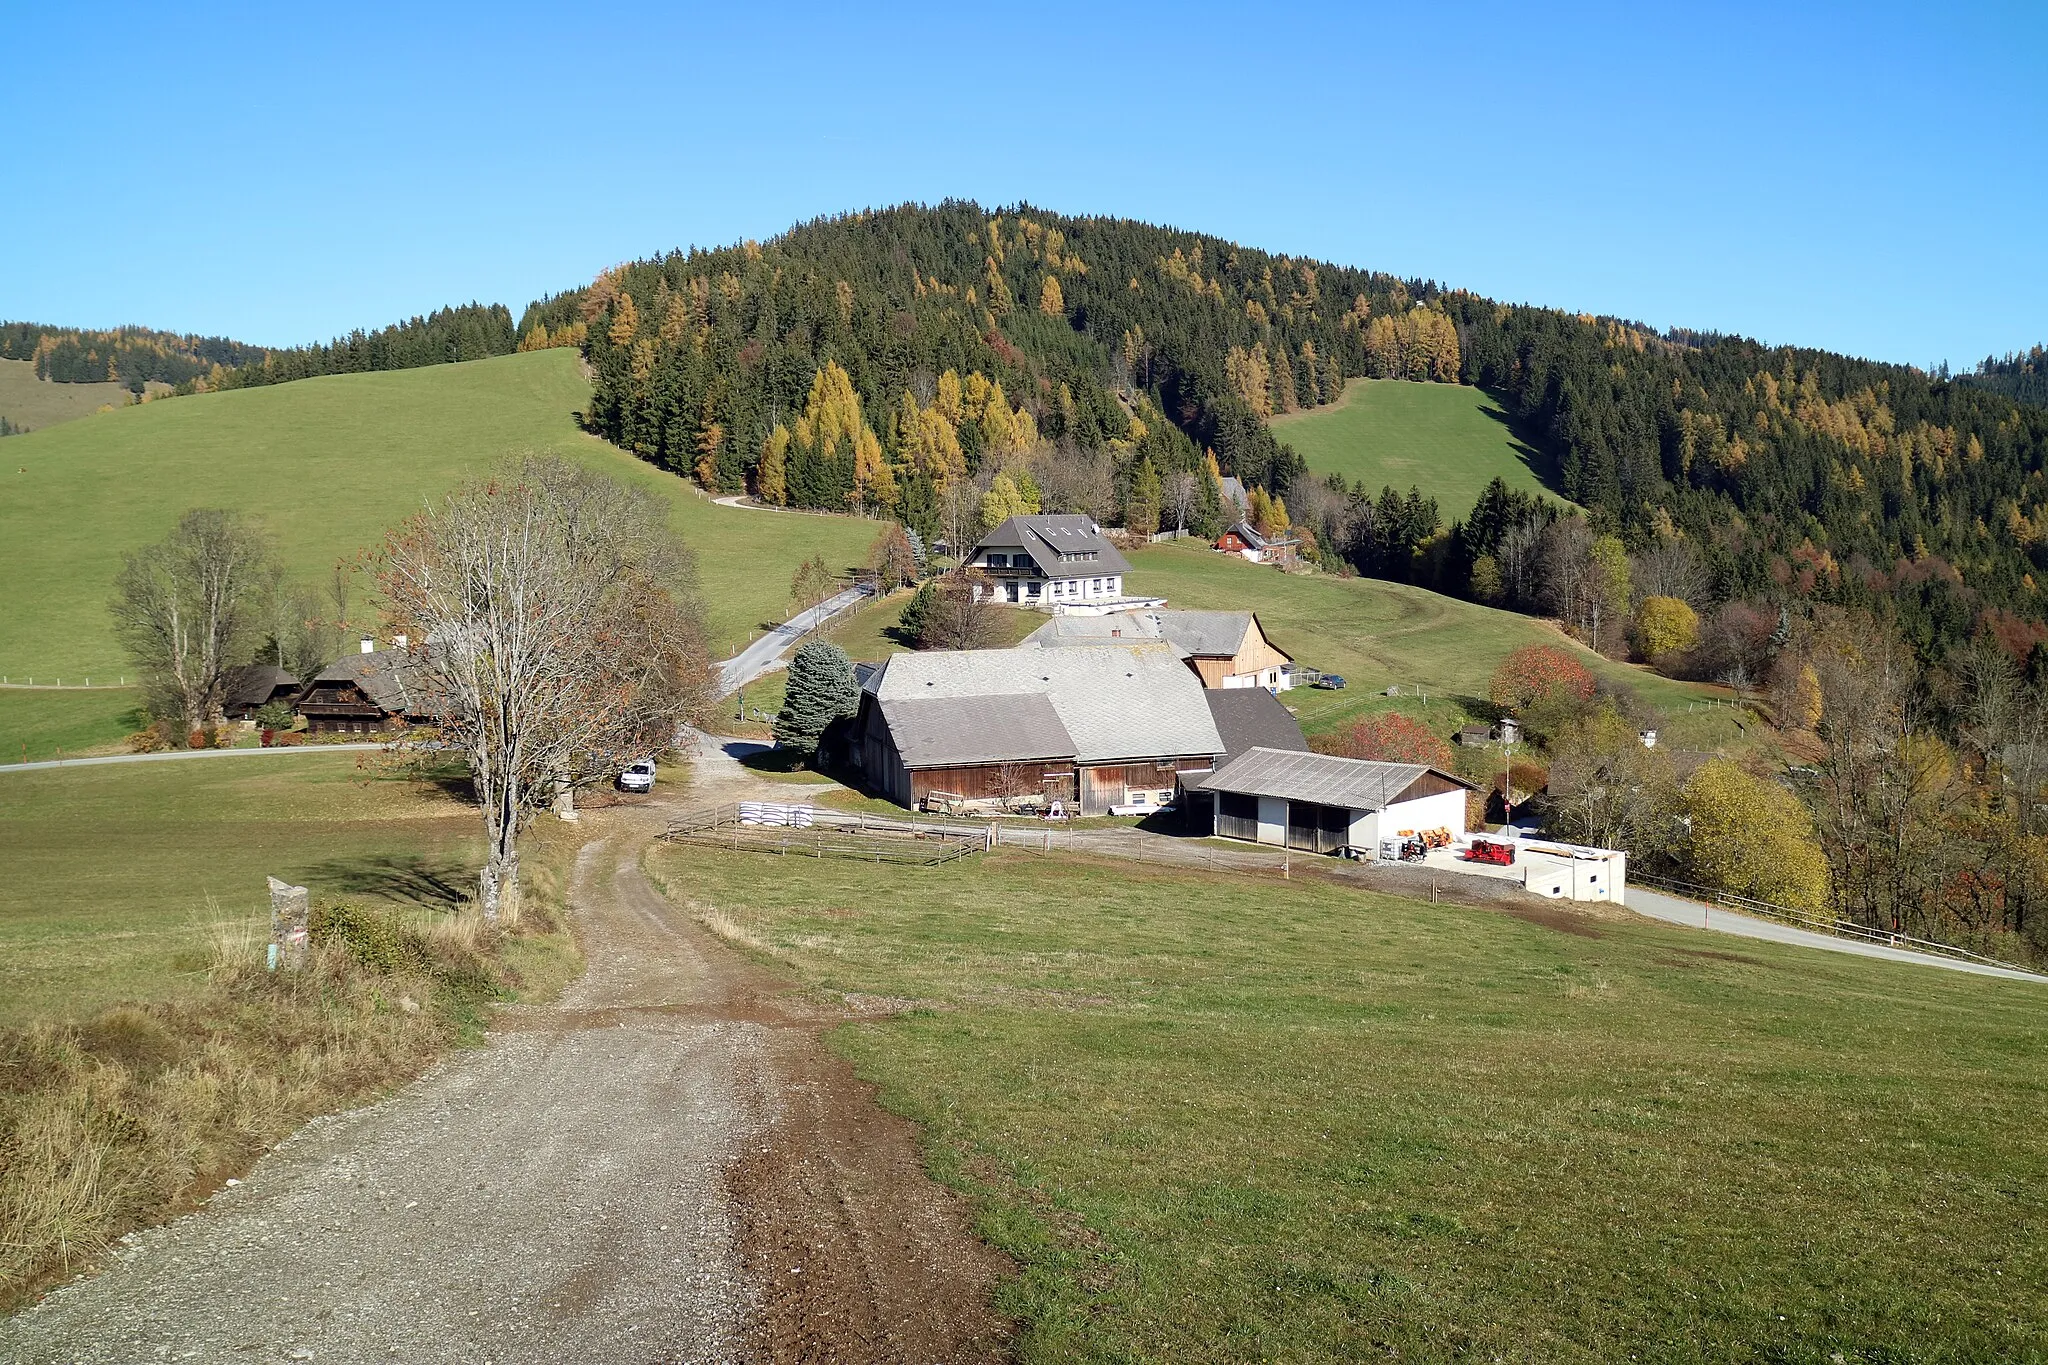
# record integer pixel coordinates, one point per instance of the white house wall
(1445, 810)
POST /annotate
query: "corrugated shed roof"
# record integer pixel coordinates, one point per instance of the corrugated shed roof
(1116, 702)
(1253, 718)
(1047, 536)
(1354, 783)
(941, 732)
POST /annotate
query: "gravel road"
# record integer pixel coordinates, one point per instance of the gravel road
(644, 1171)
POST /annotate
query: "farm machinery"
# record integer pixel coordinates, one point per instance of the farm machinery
(1495, 851)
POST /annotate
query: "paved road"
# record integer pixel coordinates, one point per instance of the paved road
(762, 655)
(1693, 914)
(179, 755)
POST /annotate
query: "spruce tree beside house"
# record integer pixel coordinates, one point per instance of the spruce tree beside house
(821, 690)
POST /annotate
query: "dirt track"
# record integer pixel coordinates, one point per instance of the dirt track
(666, 1165)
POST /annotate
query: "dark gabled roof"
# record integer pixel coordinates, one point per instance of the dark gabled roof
(1253, 718)
(1047, 536)
(255, 684)
(1353, 783)
(1245, 532)
(944, 732)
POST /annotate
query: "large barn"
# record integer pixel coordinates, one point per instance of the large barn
(1320, 803)
(1089, 728)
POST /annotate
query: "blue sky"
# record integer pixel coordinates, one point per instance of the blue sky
(1871, 179)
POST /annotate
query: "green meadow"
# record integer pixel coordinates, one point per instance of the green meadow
(37, 724)
(1380, 635)
(120, 877)
(31, 403)
(329, 464)
(1229, 1119)
(1449, 440)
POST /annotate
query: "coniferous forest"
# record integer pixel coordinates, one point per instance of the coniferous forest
(876, 359)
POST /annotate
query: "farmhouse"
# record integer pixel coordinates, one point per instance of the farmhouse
(1050, 561)
(1320, 803)
(1090, 728)
(1225, 648)
(248, 689)
(362, 694)
(1244, 539)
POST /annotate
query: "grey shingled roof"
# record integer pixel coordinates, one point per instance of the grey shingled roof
(1211, 634)
(1252, 718)
(1116, 702)
(388, 677)
(941, 732)
(1046, 536)
(1353, 783)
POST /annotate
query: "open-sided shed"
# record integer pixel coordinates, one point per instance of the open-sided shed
(1320, 803)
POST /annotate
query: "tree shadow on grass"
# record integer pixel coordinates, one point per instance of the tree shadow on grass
(436, 883)
(1522, 442)
(767, 759)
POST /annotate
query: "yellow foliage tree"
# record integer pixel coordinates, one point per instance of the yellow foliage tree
(1666, 626)
(772, 477)
(1002, 501)
(1050, 301)
(999, 300)
(625, 321)
(874, 483)
(949, 403)
(1751, 836)
(1250, 375)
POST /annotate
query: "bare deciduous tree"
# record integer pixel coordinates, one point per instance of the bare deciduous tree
(1672, 568)
(188, 610)
(552, 635)
(1078, 481)
(1181, 498)
(963, 614)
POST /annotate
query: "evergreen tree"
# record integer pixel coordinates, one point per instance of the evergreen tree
(821, 690)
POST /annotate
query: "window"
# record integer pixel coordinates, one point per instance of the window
(996, 561)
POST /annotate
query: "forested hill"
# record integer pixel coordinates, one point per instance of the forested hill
(135, 356)
(876, 357)
(2023, 376)
(138, 356)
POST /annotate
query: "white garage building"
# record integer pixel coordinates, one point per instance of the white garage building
(1320, 803)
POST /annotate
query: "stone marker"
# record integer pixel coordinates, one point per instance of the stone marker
(290, 908)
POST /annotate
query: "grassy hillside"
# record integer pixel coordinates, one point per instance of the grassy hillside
(1449, 440)
(117, 876)
(37, 724)
(1379, 634)
(30, 403)
(1217, 1121)
(329, 464)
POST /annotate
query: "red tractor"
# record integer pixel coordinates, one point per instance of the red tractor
(1492, 851)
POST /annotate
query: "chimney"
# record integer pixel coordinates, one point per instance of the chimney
(369, 645)
(398, 642)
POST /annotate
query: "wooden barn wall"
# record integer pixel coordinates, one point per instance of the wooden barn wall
(985, 781)
(1429, 784)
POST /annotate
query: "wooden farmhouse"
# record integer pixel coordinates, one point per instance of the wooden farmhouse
(1050, 561)
(1224, 648)
(366, 693)
(1092, 729)
(1245, 540)
(1319, 803)
(248, 689)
